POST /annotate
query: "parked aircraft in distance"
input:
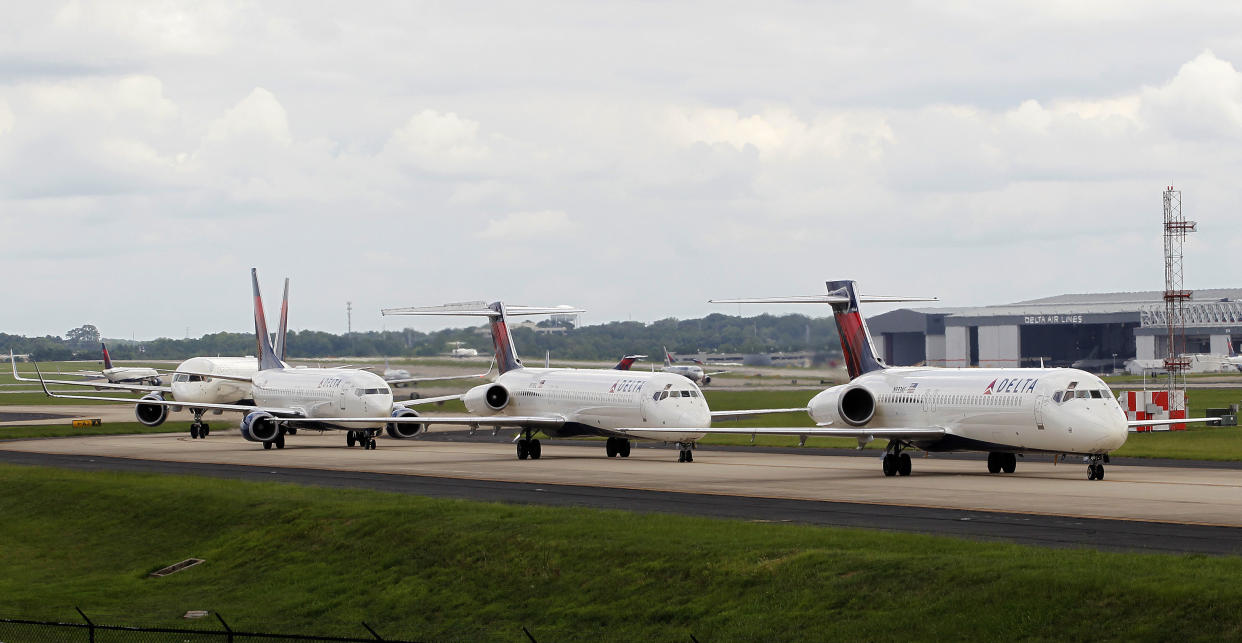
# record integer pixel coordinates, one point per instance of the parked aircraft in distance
(1004, 412)
(356, 401)
(566, 402)
(693, 372)
(458, 351)
(122, 374)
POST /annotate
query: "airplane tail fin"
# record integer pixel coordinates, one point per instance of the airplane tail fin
(267, 354)
(668, 357)
(856, 342)
(627, 361)
(281, 347)
(497, 314)
(107, 357)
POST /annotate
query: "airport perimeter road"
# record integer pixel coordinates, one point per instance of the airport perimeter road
(1157, 508)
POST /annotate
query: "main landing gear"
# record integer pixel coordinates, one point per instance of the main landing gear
(528, 447)
(687, 452)
(896, 463)
(363, 438)
(617, 447)
(278, 441)
(998, 462)
(199, 429)
(1095, 466)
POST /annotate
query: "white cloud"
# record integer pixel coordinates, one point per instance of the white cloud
(439, 142)
(523, 226)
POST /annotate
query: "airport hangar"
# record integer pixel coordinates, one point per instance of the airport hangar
(1061, 330)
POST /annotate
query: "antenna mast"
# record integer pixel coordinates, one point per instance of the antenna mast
(1175, 296)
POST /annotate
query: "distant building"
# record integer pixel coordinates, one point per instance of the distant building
(1093, 331)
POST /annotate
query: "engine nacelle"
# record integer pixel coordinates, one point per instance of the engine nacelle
(151, 414)
(260, 426)
(707, 379)
(404, 430)
(852, 405)
(486, 398)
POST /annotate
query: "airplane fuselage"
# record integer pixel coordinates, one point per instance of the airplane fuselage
(131, 374)
(1026, 410)
(208, 390)
(324, 393)
(692, 373)
(595, 401)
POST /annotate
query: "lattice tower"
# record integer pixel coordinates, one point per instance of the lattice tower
(1175, 295)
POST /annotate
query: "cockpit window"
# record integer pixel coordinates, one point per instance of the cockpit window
(1097, 395)
(1084, 394)
(370, 391)
(1056, 397)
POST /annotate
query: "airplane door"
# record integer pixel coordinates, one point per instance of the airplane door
(1041, 402)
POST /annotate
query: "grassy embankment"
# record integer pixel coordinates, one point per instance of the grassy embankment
(321, 560)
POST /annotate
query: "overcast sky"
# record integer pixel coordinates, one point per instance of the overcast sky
(632, 158)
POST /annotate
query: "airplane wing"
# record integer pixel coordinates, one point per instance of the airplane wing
(235, 378)
(716, 373)
(133, 388)
(241, 408)
(427, 400)
(506, 421)
(921, 433)
(722, 416)
(1134, 423)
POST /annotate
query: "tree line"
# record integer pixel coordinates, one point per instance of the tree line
(716, 333)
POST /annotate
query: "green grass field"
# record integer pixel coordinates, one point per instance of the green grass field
(322, 560)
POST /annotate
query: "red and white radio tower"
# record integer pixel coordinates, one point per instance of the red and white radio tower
(1175, 296)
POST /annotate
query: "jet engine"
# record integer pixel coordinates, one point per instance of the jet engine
(260, 426)
(403, 430)
(486, 398)
(853, 405)
(707, 379)
(151, 414)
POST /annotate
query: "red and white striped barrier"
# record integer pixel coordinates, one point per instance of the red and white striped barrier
(1154, 405)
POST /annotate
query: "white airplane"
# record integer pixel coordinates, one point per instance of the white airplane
(1002, 411)
(458, 351)
(283, 398)
(693, 372)
(122, 374)
(1232, 358)
(566, 402)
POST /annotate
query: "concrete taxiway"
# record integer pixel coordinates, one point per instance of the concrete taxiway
(1136, 507)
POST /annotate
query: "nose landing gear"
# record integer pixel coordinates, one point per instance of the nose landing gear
(363, 438)
(617, 447)
(199, 428)
(1095, 466)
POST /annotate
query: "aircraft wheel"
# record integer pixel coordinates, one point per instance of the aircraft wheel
(193, 431)
(1091, 472)
(280, 440)
(624, 450)
(681, 456)
(523, 449)
(291, 431)
(689, 455)
(889, 466)
(994, 463)
(205, 430)
(267, 445)
(903, 464)
(1099, 472)
(610, 447)
(535, 449)
(1009, 463)
(349, 438)
(371, 444)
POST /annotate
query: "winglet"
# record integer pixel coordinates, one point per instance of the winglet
(41, 382)
(267, 355)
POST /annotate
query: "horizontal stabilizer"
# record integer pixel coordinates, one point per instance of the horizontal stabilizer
(480, 309)
(821, 299)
